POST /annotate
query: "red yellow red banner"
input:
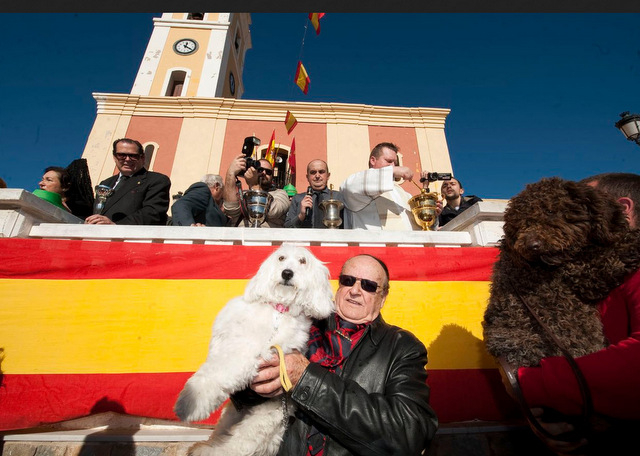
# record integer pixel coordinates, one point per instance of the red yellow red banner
(302, 78)
(290, 123)
(89, 326)
(315, 21)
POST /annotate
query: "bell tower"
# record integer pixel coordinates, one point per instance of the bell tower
(195, 55)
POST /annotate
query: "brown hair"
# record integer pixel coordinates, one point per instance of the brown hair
(619, 185)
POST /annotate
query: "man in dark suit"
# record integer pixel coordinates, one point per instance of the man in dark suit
(201, 204)
(141, 197)
(305, 211)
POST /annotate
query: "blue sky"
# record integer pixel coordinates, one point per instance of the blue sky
(531, 95)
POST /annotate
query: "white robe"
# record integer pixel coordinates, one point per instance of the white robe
(377, 202)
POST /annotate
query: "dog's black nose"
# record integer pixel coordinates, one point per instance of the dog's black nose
(287, 274)
(534, 245)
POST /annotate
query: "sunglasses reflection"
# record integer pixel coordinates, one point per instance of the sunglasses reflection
(367, 285)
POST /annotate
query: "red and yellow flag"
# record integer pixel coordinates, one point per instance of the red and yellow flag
(271, 149)
(90, 326)
(290, 122)
(302, 78)
(292, 157)
(315, 20)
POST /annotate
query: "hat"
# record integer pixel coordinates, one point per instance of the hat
(53, 198)
(290, 189)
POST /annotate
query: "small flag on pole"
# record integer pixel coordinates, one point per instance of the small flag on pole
(292, 157)
(270, 149)
(302, 78)
(315, 20)
(290, 122)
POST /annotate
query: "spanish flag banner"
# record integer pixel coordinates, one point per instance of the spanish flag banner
(292, 157)
(315, 21)
(302, 78)
(89, 326)
(271, 149)
(290, 122)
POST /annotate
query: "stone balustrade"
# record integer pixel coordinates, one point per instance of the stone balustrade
(26, 216)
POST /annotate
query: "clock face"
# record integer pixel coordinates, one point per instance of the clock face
(232, 84)
(185, 46)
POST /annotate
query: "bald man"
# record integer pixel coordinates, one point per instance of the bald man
(305, 210)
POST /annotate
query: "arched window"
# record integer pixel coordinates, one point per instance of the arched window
(176, 83)
(238, 41)
(150, 152)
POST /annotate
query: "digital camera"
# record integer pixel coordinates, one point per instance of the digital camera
(432, 177)
(250, 143)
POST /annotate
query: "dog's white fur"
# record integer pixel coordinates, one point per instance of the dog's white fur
(243, 331)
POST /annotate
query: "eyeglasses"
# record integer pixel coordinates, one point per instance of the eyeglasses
(366, 284)
(267, 171)
(121, 156)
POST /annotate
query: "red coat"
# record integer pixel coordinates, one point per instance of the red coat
(613, 374)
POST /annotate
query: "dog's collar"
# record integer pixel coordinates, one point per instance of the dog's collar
(279, 307)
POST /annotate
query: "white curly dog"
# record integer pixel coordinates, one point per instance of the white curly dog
(290, 288)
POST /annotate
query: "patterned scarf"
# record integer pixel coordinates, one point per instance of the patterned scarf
(330, 348)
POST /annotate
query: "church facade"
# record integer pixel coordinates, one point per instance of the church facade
(185, 107)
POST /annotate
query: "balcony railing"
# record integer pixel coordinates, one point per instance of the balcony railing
(24, 215)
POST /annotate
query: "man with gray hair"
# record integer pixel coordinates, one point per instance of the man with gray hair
(201, 204)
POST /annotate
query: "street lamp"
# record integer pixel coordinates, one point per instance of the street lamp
(629, 125)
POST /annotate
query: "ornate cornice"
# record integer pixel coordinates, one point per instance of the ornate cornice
(266, 110)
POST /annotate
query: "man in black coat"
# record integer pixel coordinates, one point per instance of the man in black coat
(363, 388)
(453, 192)
(141, 197)
(201, 204)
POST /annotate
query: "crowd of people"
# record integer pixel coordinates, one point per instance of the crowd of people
(372, 199)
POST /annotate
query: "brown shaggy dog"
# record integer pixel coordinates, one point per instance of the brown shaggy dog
(565, 247)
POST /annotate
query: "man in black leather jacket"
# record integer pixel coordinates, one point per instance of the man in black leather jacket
(374, 400)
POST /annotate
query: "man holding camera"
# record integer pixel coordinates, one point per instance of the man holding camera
(374, 198)
(258, 176)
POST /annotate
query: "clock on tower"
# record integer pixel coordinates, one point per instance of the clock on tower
(194, 55)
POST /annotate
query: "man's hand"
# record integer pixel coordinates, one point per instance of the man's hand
(251, 176)
(425, 175)
(238, 164)
(98, 220)
(438, 208)
(307, 202)
(554, 428)
(402, 172)
(267, 382)
(559, 438)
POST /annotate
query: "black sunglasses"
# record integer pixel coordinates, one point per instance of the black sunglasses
(366, 284)
(121, 156)
(267, 171)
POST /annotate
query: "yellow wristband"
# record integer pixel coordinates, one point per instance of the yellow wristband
(284, 378)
